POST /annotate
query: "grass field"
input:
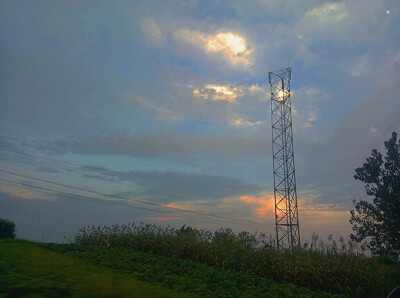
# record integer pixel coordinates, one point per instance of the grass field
(30, 269)
(336, 268)
(150, 261)
(27, 270)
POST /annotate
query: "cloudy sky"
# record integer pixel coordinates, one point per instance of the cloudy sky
(121, 111)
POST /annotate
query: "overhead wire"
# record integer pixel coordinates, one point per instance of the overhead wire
(98, 200)
(129, 199)
(113, 181)
(125, 173)
(85, 175)
(105, 202)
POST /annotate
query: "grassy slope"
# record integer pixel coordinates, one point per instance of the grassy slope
(28, 270)
(185, 275)
(324, 267)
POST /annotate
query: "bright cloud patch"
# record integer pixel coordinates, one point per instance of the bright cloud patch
(261, 206)
(180, 205)
(227, 92)
(256, 88)
(240, 122)
(232, 46)
(217, 92)
(330, 12)
(234, 43)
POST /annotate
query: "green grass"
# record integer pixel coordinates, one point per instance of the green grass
(149, 261)
(327, 267)
(27, 270)
(184, 275)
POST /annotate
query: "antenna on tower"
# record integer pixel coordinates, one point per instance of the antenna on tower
(285, 193)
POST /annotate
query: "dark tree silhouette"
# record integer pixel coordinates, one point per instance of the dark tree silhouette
(379, 221)
(7, 229)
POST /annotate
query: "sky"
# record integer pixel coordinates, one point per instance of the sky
(131, 111)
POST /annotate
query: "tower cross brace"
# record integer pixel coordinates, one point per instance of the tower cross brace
(285, 194)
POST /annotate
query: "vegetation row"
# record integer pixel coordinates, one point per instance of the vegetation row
(341, 270)
(186, 276)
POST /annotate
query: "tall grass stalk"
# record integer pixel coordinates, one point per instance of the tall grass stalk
(329, 267)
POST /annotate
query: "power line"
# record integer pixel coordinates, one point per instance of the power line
(127, 199)
(124, 173)
(105, 202)
(90, 199)
(87, 198)
(108, 180)
(98, 200)
(114, 196)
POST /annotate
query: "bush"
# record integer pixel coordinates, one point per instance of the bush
(7, 229)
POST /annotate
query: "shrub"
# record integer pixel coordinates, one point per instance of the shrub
(7, 229)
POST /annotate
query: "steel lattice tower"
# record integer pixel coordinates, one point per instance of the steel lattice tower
(286, 212)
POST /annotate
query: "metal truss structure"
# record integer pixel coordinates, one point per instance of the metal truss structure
(286, 211)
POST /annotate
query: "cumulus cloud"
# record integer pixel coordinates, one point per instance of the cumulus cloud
(218, 92)
(231, 46)
(240, 122)
(228, 92)
(77, 67)
(214, 103)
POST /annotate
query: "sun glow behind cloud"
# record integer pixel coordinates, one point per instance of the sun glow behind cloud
(232, 46)
(228, 93)
(236, 44)
(281, 94)
(262, 206)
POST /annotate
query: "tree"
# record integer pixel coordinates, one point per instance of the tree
(7, 229)
(379, 221)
